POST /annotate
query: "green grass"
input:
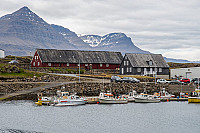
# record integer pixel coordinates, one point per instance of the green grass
(22, 74)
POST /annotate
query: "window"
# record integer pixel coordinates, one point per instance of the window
(130, 69)
(35, 57)
(67, 64)
(38, 63)
(138, 69)
(107, 65)
(155, 69)
(86, 64)
(33, 63)
(160, 69)
(150, 63)
(124, 63)
(101, 65)
(127, 63)
(127, 69)
(49, 64)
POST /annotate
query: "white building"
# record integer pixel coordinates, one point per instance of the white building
(2, 53)
(192, 72)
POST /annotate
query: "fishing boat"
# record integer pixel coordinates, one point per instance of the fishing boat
(108, 98)
(69, 100)
(145, 98)
(195, 98)
(132, 95)
(165, 95)
(43, 100)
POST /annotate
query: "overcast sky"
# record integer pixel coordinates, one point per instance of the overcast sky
(169, 27)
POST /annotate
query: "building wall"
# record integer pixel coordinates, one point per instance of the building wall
(2, 53)
(86, 66)
(36, 61)
(194, 72)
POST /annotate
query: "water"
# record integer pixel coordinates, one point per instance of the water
(164, 117)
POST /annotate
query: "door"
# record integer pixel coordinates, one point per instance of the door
(145, 71)
(151, 70)
(122, 70)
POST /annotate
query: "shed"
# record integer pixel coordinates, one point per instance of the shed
(72, 58)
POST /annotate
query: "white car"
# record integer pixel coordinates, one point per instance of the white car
(162, 81)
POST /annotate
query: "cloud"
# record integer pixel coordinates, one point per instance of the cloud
(156, 25)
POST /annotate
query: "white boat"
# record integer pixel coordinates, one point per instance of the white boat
(108, 98)
(69, 100)
(145, 98)
(165, 95)
(132, 95)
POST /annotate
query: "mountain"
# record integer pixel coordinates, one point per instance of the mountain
(112, 42)
(179, 60)
(24, 31)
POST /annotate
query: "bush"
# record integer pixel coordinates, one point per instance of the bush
(71, 71)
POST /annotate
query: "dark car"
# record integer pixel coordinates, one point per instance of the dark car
(115, 79)
(196, 82)
(129, 80)
(195, 79)
(175, 82)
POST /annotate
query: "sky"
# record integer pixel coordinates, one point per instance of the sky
(168, 27)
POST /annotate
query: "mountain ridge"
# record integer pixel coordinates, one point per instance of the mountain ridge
(25, 31)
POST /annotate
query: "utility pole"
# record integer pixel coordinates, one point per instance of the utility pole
(155, 74)
(79, 70)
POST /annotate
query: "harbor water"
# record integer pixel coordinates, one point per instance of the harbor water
(164, 117)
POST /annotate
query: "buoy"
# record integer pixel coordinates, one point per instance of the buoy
(97, 102)
(167, 100)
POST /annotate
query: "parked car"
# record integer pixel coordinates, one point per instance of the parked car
(197, 82)
(115, 79)
(175, 82)
(161, 81)
(185, 80)
(137, 80)
(195, 79)
(130, 80)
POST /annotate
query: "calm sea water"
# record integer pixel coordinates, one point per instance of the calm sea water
(165, 117)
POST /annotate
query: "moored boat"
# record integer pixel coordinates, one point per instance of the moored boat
(195, 98)
(132, 95)
(109, 98)
(165, 95)
(43, 100)
(145, 98)
(69, 100)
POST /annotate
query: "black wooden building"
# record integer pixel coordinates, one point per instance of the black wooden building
(145, 65)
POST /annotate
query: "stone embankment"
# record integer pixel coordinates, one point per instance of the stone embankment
(93, 89)
(43, 78)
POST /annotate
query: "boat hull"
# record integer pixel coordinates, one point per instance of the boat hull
(113, 101)
(70, 103)
(143, 100)
(194, 100)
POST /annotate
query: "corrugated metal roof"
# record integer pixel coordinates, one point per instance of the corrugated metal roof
(141, 60)
(73, 56)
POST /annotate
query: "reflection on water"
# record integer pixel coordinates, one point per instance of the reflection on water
(165, 117)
